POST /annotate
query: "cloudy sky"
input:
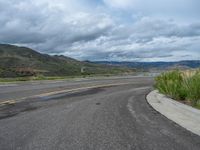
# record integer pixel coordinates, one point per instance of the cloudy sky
(113, 30)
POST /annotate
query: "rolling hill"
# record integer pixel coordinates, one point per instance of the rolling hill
(21, 61)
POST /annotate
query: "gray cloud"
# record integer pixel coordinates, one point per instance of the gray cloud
(71, 28)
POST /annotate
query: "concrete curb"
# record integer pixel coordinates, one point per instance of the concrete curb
(184, 115)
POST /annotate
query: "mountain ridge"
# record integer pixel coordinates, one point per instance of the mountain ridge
(155, 65)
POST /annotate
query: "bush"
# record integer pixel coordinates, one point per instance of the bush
(192, 86)
(170, 83)
(180, 86)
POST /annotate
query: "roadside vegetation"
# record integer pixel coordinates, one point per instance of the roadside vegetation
(41, 77)
(181, 85)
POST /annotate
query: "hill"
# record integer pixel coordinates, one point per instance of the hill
(155, 65)
(21, 61)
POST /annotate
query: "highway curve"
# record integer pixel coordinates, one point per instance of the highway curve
(96, 115)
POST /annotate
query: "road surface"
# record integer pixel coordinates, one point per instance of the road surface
(99, 115)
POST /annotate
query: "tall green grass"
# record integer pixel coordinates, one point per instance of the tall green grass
(180, 86)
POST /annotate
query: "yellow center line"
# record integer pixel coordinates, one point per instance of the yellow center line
(13, 101)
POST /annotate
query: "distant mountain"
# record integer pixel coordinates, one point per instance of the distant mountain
(21, 61)
(155, 65)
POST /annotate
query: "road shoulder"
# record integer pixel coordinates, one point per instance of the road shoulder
(184, 115)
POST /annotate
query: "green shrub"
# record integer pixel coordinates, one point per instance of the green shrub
(170, 83)
(192, 86)
(179, 86)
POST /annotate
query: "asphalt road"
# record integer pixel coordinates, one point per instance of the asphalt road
(114, 117)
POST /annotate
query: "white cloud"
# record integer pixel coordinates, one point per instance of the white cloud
(120, 3)
(78, 29)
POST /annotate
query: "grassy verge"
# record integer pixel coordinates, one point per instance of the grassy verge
(18, 79)
(41, 77)
(181, 86)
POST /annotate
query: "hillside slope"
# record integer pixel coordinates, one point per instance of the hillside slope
(21, 61)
